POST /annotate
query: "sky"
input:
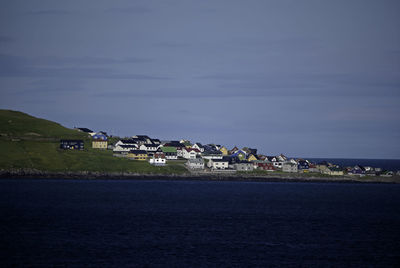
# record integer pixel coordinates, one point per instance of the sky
(307, 78)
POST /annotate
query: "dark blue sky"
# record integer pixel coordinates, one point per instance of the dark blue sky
(303, 78)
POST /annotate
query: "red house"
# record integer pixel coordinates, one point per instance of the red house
(266, 166)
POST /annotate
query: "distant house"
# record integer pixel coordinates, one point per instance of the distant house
(127, 142)
(149, 147)
(289, 167)
(252, 157)
(244, 166)
(212, 154)
(142, 139)
(224, 150)
(170, 152)
(83, 129)
(72, 144)
(197, 163)
(357, 170)
(302, 166)
(248, 150)
(281, 158)
(124, 148)
(156, 141)
(333, 171)
(233, 150)
(158, 159)
(137, 155)
(265, 165)
(190, 153)
(217, 164)
(99, 144)
(198, 146)
(99, 136)
(240, 154)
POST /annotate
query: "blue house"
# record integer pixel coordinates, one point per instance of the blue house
(99, 136)
(302, 166)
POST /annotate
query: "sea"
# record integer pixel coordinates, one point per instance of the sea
(385, 164)
(156, 223)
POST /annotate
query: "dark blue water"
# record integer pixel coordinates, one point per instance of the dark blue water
(385, 164)
(105, 223)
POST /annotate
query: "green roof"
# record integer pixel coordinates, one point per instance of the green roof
(168, 149)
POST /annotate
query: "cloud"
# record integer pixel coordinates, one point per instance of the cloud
(6, 39)
(129, 10)
(14, 66)
(49, 12)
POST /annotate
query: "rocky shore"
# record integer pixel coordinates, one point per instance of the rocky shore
(273, 177)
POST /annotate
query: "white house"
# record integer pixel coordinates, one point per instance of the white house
(122, 148)
(198, 146)
(218, 164)
(149, 147)
(158, 159)
(197, 163)
(190, 153)
(126, 142)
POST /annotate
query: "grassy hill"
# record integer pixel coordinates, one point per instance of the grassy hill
(29, 142)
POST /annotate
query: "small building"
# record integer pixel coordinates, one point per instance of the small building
(124, 148)
(265, 165)
(149, 147)
(198, 146)
(289, 167)
(99, 136)
(99, 144)
(158, 159)
(357, 170)
(240, 154)
(217, 164)
(197, 163)
(72, 144)
(212, 154)
(333, 171)
(190, 153)
(252, 157)
(302, 166)
(224, 150)
(170, 152)
(140, 155)
(244, 166)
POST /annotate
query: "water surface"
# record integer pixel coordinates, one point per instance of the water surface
(106, 223)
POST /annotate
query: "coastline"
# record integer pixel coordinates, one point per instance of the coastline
(294, 177)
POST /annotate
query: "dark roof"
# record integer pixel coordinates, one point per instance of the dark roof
(138, 152)
(150, 145)
(219, 160)
(83, 129)
(71, 140)
(142, 137)
(127, 146)
(131, 141)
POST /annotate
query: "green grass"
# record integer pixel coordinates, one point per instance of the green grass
(27, 142)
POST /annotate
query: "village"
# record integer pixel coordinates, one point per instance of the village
(212, 158)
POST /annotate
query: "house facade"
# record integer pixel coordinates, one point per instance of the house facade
(197, 163)
(99, 144)
(140, 155)
(224, 150)
(158, 159)
(243, 166)
(265, 165)
(190, 153)
(289, 167)
(218, 164)
(170, 152)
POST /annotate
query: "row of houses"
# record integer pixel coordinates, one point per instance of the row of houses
(210, 156)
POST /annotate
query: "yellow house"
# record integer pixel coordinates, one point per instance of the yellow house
(224, 150)
(99, 144)
(137, 155)
(252, 158)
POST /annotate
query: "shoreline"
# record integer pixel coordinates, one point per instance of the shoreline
(295, 177)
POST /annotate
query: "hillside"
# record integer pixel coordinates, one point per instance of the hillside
(27, 142)
(15, 124)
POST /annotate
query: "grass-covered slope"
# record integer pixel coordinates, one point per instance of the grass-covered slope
(27, 142)
(20, 125)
